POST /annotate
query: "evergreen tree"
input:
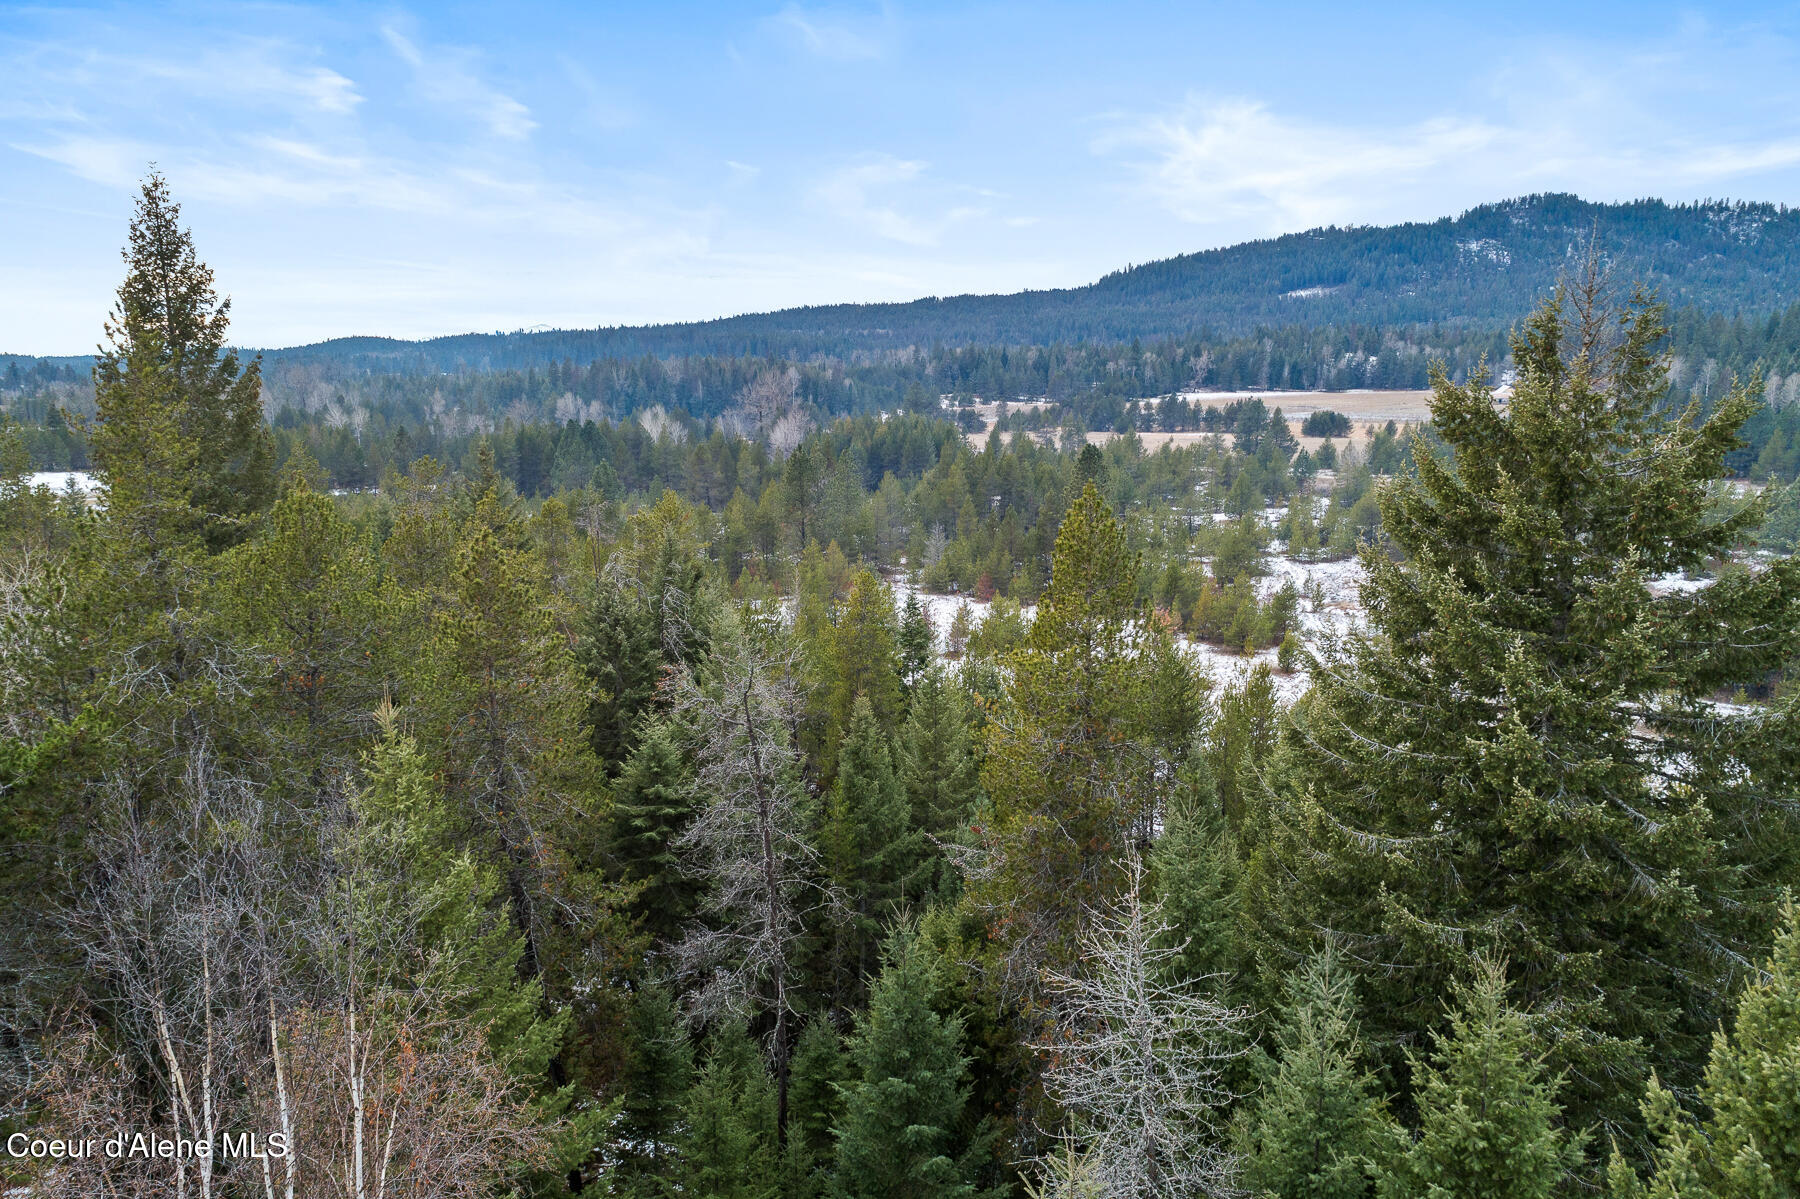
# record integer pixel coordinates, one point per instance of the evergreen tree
(917, 640)
(303, 595)
(897, 1137)
(666, 556)
(938, 769)
(871, 846)
(180, 438)
(865, 660)
(728, 1131)
(1521, 756)
(1490, 1126)
(1080, 758)
(418, 913)
(500, 696)
(1090, 467)
(1244, 739)
(815, 1103)
(652, 804)
(1748, 1145)
(1317, 1126)
(654, 1095)
(1194, 865)
(405, 852)
(621, 655)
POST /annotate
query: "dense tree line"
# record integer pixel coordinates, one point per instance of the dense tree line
(359, 422)
(625, 836)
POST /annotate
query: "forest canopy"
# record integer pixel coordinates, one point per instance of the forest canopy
(791, 798)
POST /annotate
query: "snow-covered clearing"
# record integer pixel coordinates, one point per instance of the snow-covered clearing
(1330, 606)
(60, 481)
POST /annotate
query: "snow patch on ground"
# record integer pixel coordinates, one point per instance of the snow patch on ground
(60, 481)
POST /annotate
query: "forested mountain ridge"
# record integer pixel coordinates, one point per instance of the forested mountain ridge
(1482, 271)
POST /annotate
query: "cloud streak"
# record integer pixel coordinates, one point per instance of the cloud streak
(837, 37)
(869, 193)
(446, 76)
(1237, 159)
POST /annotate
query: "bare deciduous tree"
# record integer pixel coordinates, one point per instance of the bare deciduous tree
(168, 926)
(393, 1104)
(769, 396)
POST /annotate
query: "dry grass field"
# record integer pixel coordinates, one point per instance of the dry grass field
(1364, 408)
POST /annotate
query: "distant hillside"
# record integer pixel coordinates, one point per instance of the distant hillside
(1481, 270)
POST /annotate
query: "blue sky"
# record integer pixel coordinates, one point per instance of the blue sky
(429, 169)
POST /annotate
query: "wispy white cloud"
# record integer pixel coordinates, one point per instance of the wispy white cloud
(868, 194)
(601, 107)
(258, 68)
(1663, 115)
(1239, 161)
(110, 161)
(241, 71)
(1218, 160)
(446, 75)
(841, 37)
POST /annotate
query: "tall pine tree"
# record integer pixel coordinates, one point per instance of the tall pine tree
(1081, 754)
(1521, 757)
(180, 438)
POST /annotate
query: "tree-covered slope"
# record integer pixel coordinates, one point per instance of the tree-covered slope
(1485, 269)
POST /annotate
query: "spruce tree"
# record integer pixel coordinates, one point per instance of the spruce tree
(1490, 1126)
(653, 801)
(871, 847)
(1243, 739)
(1194, 869)
(1520, 756)
(621, 656)
(917, 640)
(897, 1137)
(654, 1093)
(1317, 1127)
(180, 438)
(1748, 1145)
(728, 1130)
(815, 1104)
(939, 769)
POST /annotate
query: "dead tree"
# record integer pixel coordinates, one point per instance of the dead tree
(748, 846)
(1138, 1062)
